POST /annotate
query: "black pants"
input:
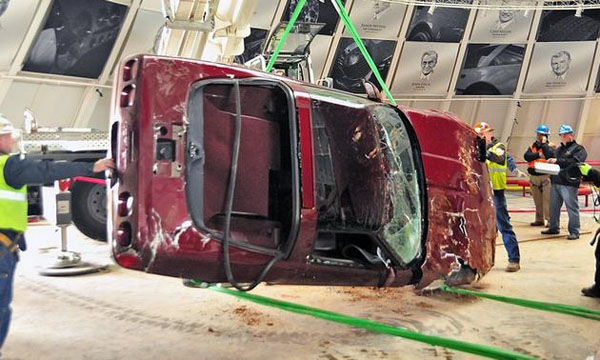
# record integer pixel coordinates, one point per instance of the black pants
(597, 253)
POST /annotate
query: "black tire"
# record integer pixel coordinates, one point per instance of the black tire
(481, 89)
(420, 33)
(88, 206)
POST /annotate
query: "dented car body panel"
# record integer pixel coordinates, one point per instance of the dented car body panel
(341, 189)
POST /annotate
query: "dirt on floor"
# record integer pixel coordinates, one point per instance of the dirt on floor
(121, 314)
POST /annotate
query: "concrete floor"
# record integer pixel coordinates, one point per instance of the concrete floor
(123, 314)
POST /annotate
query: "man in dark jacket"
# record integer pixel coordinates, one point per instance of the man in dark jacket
(15, 173)
(593, 175)
(565, 185)
(540, 151)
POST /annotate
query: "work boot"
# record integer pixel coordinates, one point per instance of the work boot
(592, 291)
(513, 267)
(573, 237)
(537, 223)
(550, 232)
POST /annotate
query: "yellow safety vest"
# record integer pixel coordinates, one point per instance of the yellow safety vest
(497, 172)
(13, 203)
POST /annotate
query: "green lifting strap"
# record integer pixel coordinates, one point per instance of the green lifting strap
(477, 349)
(339, 6)
(545, 306)
(285, 34)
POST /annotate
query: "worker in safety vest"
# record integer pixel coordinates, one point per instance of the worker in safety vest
(593, 175)
(15, 173)
(497, 165)
(540, 185)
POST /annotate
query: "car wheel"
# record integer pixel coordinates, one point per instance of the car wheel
(89, 209)
(420, 35)
(481, 89)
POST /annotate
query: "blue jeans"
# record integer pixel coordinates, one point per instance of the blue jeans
(8, 262)
(503, 224)
(568, 195)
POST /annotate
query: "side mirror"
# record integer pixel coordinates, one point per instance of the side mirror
(30, 123)
(326, 82)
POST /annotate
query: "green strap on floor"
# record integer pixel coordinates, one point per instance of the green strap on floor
(482, 350)
(545, 306)
(285, 34)
(346, 19)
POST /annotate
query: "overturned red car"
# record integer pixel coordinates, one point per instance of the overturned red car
(229, 175)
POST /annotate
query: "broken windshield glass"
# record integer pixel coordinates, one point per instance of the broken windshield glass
(404, 231)
(366, 177)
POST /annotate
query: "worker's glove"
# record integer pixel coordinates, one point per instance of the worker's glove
(585, 169)
(521, 174)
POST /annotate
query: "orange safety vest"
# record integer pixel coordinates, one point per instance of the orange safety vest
(534, 149)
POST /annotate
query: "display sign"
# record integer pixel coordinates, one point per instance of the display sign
(507, 25)
(77, 38)
(319, 48)
(566, 25)
(253, 44)
(425, 68)
(490, 69)
(350, 68)
(376, 19)
(263, 14)
(315, 11)
(15, 20)
(560, 67)
(437, 24)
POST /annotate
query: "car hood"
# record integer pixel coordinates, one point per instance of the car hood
(461, 227)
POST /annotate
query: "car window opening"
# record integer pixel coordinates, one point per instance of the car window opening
(262, 215)
(262, 205)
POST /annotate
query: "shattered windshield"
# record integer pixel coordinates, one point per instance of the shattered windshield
(366, 177)
(404, 231)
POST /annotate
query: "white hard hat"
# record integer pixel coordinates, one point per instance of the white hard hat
(6, 127)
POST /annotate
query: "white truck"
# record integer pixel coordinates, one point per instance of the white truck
(70, 144)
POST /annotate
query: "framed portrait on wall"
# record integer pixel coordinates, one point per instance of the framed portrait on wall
(565, 25)
(560, 67)
(437, 24)
(505, 25)
(77, 38)
(376, 19)
(15, 20)
(424, 68)
(315, 11)
(350, 68)
(490, 69)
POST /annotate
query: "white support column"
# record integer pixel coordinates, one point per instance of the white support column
(202, 37)
(509, 120)
(36, 24)
(584, 113)
(401, 41)
(337, 35)
(445, 105)
(90, 96)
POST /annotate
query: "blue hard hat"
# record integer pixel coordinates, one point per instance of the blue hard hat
(565, 129)
(543, 129)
